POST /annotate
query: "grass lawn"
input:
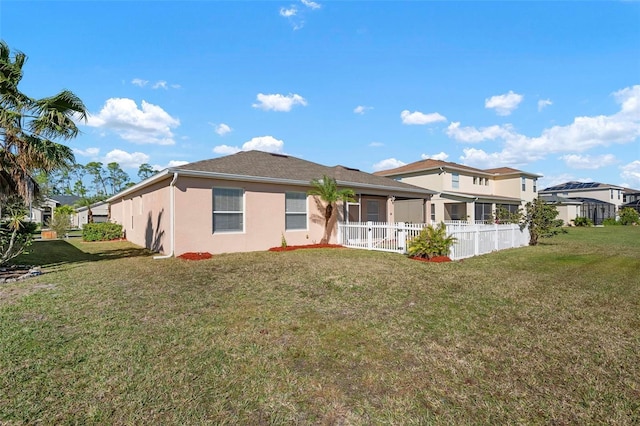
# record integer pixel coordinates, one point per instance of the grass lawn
(547, 334)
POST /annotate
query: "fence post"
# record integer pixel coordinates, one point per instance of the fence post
(369, 235)
(496, 244)
(402, 237)
(476, 242)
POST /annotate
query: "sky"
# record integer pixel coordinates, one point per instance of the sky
(546, 87)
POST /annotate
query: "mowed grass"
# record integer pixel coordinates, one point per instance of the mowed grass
(538, 335)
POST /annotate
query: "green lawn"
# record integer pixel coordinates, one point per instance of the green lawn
(543, 335)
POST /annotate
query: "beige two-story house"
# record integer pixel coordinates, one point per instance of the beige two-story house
(593, 200)
(464, 193)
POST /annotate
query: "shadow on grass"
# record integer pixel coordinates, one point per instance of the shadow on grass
(51, 253)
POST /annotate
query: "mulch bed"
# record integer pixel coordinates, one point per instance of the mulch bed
(435, 259)
(195, 256)
(309, 246)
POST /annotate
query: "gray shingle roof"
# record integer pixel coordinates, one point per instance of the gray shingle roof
(277, 166)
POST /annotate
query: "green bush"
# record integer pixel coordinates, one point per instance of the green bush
(610, 221)
(582, 221)
(101, 231)
(629, 216)
(431, 242)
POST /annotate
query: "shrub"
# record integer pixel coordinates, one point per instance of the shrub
(61, 220)
(610, 221)
(629, 216)
(431, 242)
(101, 231)
(582, 221)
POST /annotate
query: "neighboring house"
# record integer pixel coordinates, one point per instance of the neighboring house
(598, 201)
(465, 193)
(42, 212)
(248, 201)
(99, 210)
(631, 198)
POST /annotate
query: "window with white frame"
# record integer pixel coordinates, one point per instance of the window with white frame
(433, 212)
(535, 185)
(455, 180)
(524, 183)
(295, 211)
(228, 210)
(373, 210)
(475, 180)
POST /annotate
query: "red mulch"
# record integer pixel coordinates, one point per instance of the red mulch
(289, 248)
(195, 256)
(435, 259)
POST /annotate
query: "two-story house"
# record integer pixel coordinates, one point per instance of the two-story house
(631, 198)
(464, 193)
(593, 200)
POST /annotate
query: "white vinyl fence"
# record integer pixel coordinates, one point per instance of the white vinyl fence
(471, 239)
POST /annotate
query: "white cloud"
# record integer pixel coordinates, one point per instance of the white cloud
(311, 4)
(440, 156)
(389, 163)
(287, 13)
(376, 144)
(226, 149)
(222, 129)
(277, 102)
(148, 125)
(576, 161)
(472, 135)
(177, 163)
(553, 180)
(361, 109)
(259, 143)
(504, 104)
(160, 85)
(125, 159)
(89, 152)
(418, 117)
(583, 134)
(139, 82)
(543, 103)
(631, 174)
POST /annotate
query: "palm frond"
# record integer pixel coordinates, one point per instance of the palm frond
(55, 116)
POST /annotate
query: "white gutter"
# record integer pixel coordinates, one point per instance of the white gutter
(172, 213)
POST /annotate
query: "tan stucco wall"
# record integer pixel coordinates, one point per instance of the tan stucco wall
(603, 194)
(144, 216)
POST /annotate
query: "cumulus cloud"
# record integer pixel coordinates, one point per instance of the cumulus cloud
(361, 109)
(126, 160)
(420, 118)
(149, 124)
(504, 104)
(473, 135)
(440, 156)
(583, 134)
(222, 129)
(576, 161)
(277, 102)
(89, 152)
(543, 103)
(260, 143)
(389, 163)
(631, 174)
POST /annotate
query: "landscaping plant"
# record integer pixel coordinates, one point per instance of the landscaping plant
(327, 190)
(629, 216)
(15, 232)
(582, 221)
(105, 231)
(540, 218)
(61, 220)
(431, 242)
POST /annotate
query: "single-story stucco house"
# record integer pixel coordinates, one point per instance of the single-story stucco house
(248, 201)
(99, 213)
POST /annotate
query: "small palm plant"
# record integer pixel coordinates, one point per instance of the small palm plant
(327, 190)
(431, 242)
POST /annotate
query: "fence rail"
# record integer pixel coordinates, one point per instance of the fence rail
(472, 239)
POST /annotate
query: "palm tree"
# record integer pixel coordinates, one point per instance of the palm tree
(327, 190)
(28, 128)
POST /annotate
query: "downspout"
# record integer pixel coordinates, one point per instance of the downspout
(172, 213)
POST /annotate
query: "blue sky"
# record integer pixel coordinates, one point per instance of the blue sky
(546, 87)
